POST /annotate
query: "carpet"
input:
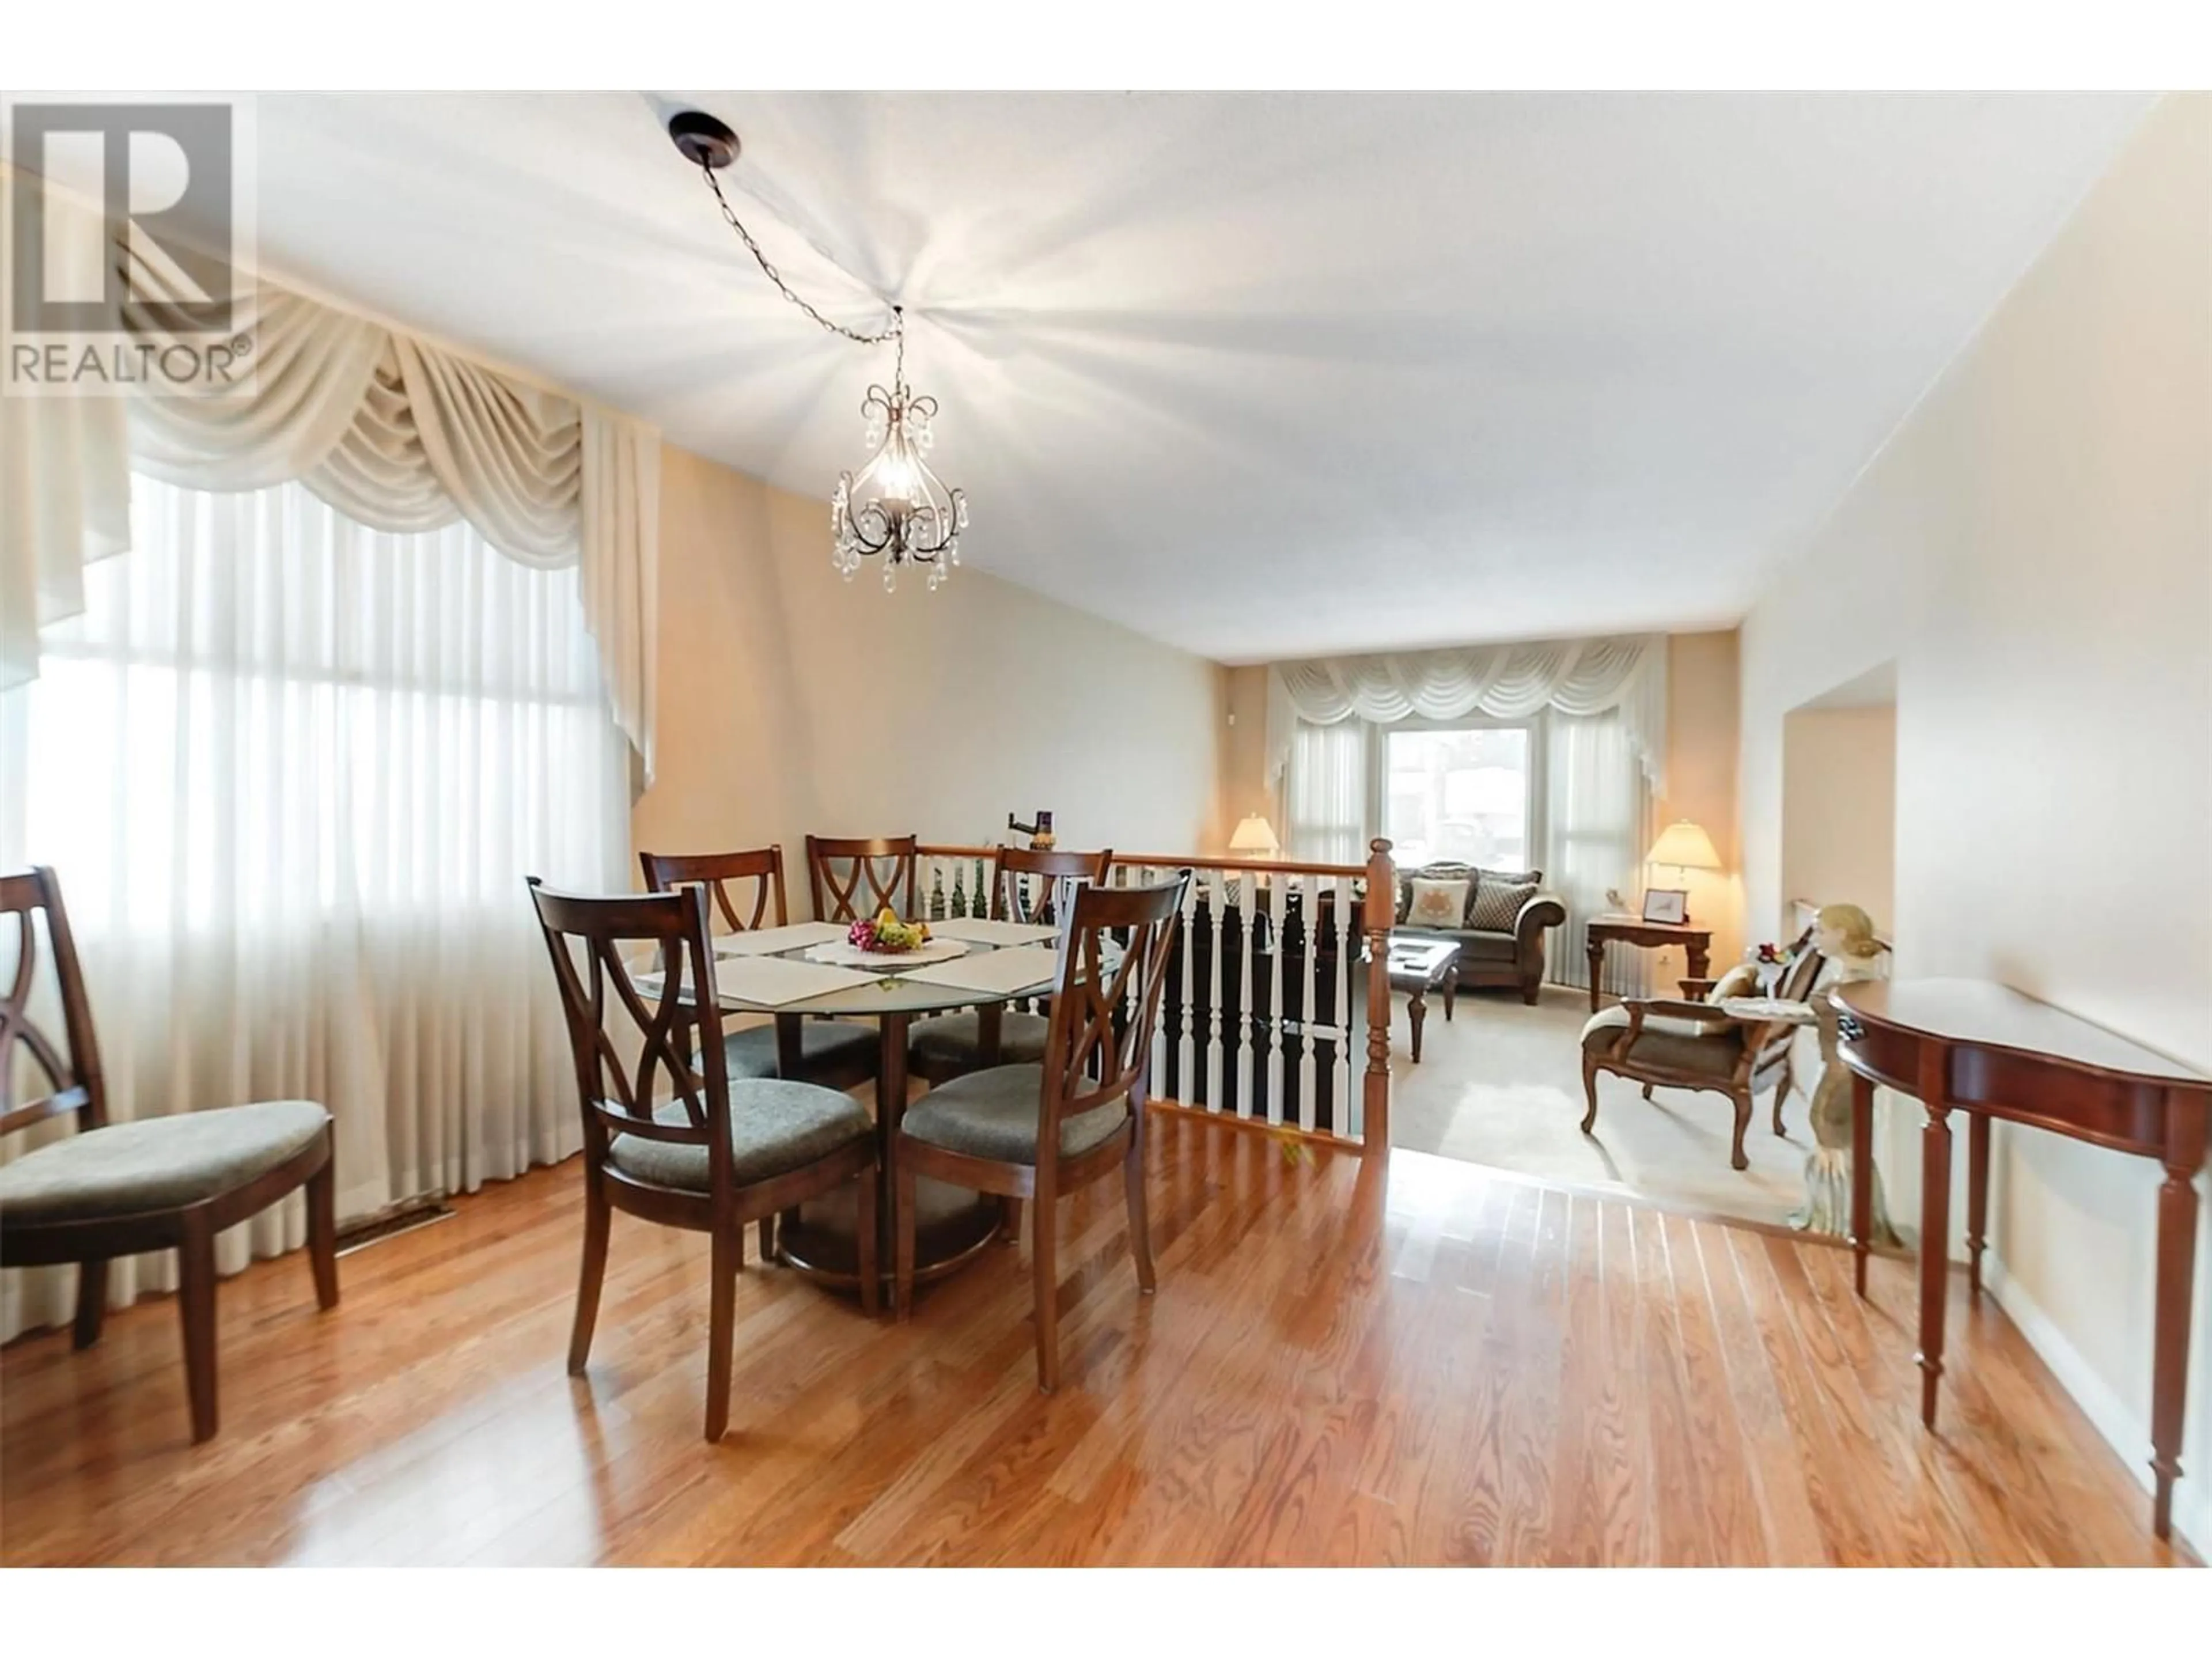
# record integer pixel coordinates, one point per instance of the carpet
(1501, 1086)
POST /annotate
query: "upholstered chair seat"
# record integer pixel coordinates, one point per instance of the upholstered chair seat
(993, 1115)
(841, 1047)
(776, 1126)
(1714, 1056)
(953, 1043)
(157, 1163)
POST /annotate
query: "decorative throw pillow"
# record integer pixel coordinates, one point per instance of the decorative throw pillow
(1437, 903)
(1498, 904)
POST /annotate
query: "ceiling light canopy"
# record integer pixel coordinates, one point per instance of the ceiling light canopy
(895, 506)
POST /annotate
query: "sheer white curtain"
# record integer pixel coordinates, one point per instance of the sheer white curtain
(1595, 809)
(292, 772)
(1327, 789)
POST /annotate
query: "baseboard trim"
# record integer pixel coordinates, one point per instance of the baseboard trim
(2127, 1432)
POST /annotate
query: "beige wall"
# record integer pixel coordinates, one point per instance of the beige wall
(791, 700)
(2033, 548)
(1245, 753)
(1702, 676)
(1839, 809)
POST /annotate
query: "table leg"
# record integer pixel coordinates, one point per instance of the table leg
(2177, 1258)
(1416, 1007)
(953, 1224)
(1861, 1177)
(1934, 1250)
(789, 1037)
(1977, 1197)
(890, 1107)
(1596, 967)
(990, 1032)
(1451, 989)
(1700, 959)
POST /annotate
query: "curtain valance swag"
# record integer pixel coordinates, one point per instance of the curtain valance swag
(393, 431)
(1576, 676)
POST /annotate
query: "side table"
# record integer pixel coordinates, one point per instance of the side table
(1696, 942)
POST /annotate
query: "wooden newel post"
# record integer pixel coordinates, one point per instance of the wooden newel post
(1381, 914)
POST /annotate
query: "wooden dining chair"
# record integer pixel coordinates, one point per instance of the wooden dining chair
(1039, 1131)
(951, 1045)
(158, 1183)
(748, 893)
(718, 1152)
(852, 879)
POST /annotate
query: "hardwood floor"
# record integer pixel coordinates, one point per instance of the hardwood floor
(1419, 1362)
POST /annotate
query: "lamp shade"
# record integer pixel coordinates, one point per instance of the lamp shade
(1254, 835)
(1686, 846)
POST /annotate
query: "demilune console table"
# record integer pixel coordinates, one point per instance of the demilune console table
(1992, 1052)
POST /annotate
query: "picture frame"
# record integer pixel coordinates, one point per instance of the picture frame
(1667, 904)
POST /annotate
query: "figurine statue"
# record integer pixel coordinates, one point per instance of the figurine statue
(1843, 934)
(1040, 833)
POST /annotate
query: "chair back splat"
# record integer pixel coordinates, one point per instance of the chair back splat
(724, 876)
(1103, 1014)
(852, 879)
(1059, 873)
(616, 1083)
(30, 898)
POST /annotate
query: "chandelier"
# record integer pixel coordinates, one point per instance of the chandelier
(895, 506)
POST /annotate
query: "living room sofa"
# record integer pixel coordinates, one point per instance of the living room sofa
(1492, 956)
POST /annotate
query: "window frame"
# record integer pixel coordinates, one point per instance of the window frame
(1532, 813)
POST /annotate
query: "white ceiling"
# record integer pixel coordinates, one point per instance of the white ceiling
(1259, 375)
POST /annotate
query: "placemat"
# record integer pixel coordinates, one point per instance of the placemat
(773, 980)
(1004, 972)
(766, 941)
(994, 933)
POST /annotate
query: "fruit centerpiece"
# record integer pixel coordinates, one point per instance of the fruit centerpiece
(884, 934)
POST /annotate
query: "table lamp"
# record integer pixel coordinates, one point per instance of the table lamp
(1684, 847)
(1255, 835)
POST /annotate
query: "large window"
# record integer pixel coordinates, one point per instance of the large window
(1462, 795)
(292, 772)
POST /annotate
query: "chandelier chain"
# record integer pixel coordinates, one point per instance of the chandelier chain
(897, 332)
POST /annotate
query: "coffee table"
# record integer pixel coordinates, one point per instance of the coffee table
(1418, 966)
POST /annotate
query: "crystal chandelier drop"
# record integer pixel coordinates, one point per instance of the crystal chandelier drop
(895, 507)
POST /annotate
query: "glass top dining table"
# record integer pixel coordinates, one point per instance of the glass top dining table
(953, 1225)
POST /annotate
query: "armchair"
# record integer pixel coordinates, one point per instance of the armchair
(1663, 1043)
